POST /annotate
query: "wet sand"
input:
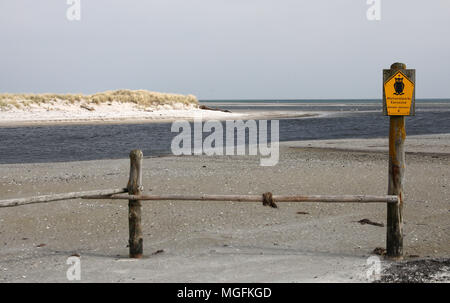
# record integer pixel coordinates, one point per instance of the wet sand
(224, 241)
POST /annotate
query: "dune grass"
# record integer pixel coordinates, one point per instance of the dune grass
(141, 98)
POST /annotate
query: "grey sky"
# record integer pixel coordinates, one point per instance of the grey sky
(223, 48)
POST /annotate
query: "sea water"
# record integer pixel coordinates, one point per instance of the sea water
(336, 119)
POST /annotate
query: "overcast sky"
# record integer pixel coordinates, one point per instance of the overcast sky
(219, 49)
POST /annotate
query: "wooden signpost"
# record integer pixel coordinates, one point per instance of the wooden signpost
(398, 102)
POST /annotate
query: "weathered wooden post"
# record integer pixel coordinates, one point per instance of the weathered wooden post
(134, 206)
(398, 102)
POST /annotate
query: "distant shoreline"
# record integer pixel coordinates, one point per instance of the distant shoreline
(168, 117)
(318, 101)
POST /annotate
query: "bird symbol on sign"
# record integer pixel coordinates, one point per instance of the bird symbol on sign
(399, 86)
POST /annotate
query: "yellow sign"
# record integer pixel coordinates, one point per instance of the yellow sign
(399, 92)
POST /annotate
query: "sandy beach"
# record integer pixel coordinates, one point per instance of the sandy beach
(316, 150)
(224, 241)
(113, 112)
(63, 113)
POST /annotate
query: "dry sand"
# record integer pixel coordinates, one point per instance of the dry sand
(224, 241)
(63, 113)
(59, 112)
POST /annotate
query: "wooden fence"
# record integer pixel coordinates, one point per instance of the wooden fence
(133, 193)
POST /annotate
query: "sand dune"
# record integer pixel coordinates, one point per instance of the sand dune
(111, 106)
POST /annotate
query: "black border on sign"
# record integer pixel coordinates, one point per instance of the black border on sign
(399, 71)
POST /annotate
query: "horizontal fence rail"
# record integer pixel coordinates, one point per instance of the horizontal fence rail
(59, 197)
(256, 198)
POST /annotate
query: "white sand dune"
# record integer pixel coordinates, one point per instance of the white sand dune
(123, 105)
(63, 112)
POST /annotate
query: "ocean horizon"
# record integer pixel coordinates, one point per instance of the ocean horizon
(350, 101)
